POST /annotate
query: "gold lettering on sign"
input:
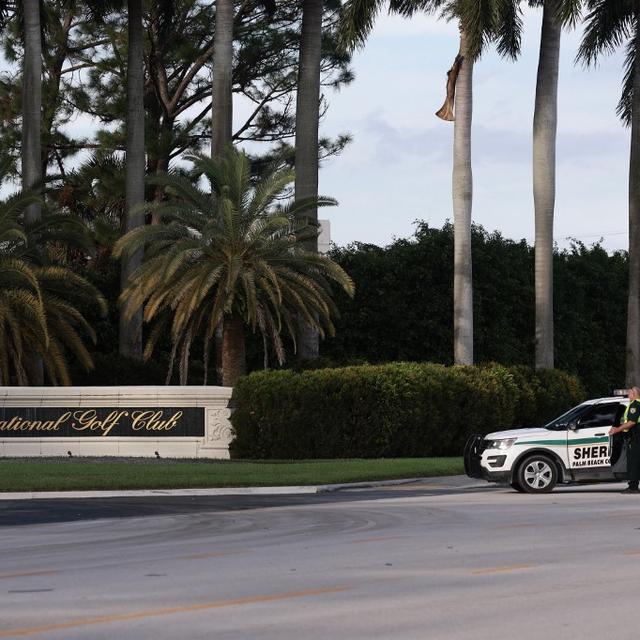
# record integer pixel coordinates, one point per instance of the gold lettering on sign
(88, 421)
(20, 424)
(152, 421)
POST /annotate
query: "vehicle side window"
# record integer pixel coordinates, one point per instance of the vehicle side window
(561, 422)
(601, 415)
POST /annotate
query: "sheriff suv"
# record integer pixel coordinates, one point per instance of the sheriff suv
(573, 448)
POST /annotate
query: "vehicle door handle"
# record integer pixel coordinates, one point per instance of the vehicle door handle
(601, 434)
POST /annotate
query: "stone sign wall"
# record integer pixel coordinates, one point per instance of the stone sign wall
(170, 422)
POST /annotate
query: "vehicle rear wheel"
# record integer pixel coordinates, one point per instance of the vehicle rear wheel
(537, 474)
(516, 485)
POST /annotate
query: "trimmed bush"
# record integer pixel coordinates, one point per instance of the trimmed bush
(393, 410)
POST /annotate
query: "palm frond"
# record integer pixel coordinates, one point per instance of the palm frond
(508, 27)
(569, 12)
(625, 105)
(357, 20)
(231, 253)
(608, 25)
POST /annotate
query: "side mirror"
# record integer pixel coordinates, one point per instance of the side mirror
(573, 425)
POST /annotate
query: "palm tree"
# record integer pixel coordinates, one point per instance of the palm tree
(222, 101)
(222, 75)
(229, 255)
(222, 109)
(130, 333)
(480, 22)
(39, 301)
(462, 189)
(94, 193)
(32, 104)
(555, 13)
(32, 128)
(306, 151)
(22, 319)
(608, 26)
(545, 120)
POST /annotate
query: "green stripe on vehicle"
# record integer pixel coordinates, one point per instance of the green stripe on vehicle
(588, 440)
(557, 443)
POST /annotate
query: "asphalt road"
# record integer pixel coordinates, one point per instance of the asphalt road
(433, 561)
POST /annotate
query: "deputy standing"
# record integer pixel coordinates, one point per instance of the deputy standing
(630, 420)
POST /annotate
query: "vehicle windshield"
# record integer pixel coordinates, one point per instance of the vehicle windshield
(562, 421)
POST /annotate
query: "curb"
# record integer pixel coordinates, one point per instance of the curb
(328, 488)
(221, 491)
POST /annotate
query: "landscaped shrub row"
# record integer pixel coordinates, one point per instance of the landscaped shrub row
(393, 410)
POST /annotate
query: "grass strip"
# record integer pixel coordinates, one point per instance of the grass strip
(61, 474)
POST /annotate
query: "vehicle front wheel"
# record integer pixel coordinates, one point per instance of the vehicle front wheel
(537, 474)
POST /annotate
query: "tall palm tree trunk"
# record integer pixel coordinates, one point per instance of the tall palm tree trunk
(307, 124)
(32, 104)
(633, 312)
(545, 122)
(462, 202)
(222, 113)
(233, 350)
(130, 333)
(31, 136)
(222, 102)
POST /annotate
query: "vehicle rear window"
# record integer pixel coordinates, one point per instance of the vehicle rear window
(600, 415)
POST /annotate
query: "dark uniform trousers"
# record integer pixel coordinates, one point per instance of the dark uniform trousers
(632, 414)
(633, 457)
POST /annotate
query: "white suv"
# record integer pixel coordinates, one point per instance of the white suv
(573, 448)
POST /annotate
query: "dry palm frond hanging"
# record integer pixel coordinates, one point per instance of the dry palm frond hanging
(446, 111)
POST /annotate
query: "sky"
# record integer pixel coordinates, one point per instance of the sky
(398, 168)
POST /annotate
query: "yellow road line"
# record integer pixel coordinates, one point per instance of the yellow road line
(632, 552)
(138, 615)
(512, 567)
(24, 574)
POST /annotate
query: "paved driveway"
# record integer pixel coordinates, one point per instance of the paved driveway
(443, 559)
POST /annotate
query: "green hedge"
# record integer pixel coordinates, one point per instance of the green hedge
(393, 410)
